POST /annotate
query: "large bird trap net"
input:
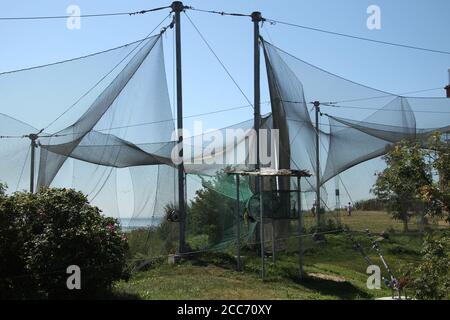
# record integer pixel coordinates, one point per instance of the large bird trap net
(114, 139)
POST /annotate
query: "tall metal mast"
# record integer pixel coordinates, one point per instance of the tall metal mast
(177, 8)
(33, 137)
(317, 110)
(257, 18)
(447, 88)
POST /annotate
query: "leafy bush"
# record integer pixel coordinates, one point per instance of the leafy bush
(198, 242)
(153, 241)
(147, 245)
(212, 213)
(437, 194)
(42, 234)
(431, 278)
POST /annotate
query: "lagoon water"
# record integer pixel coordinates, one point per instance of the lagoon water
(137, 223)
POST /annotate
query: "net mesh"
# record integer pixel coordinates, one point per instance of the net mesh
(358, 123)
(114, 141)
(125, 125)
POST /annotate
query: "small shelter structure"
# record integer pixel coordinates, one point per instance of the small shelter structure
(259, 175)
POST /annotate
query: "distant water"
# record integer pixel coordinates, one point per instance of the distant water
(136, 223)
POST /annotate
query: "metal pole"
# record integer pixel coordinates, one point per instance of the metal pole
(447, 88)
(317, 110)
(273, 242)
(300, 242)
(33, 138)
(257, 18)
(177, 8)
(261, 227)
(238, 224)
(337, 195)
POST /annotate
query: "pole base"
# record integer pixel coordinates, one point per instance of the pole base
(173, 258)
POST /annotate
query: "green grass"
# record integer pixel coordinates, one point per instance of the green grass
(334, 270)
(376, 221)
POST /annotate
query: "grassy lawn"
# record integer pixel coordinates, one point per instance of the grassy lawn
(376, 221)
(334, 270)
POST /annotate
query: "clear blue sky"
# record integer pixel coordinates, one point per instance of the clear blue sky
(206, 86)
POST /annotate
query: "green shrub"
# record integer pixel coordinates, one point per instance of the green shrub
(431, 278)
(42, 234)
(150, 245)
(211, 212)
(198, 242)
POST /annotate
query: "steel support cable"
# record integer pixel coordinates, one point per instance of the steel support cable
(106, 75)
(218, 59)
(273, 21)
(23, 169)
(222, 13)
(85, 15)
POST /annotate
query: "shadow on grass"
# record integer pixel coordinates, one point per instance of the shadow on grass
(218, 259)
(343, 290)
(121, 295)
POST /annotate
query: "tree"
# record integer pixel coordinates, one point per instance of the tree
(399, 183)
(2, 189)
(212, 210)
(370, 205)
(437, 194)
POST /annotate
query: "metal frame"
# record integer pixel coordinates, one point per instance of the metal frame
(266, 172)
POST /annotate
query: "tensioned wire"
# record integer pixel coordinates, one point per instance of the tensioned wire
(384, 94)
(324, 148)
(156, 122)
(272, 21)
(236, 108)
(220, 111)
(330, 104)
(108, 174)
(335, 105)
(95, 15)
(340, 34)
(218, 59)
(147, 123)
(399, 94)
(138, 43)
(342, 106)
(222, 13)
(143, 123)
(23, 169)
